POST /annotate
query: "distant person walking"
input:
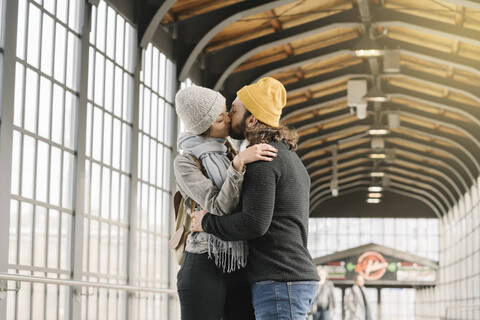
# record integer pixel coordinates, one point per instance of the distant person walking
(324, 306)
(356, 301)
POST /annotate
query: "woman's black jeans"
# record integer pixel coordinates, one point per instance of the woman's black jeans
(207, 293)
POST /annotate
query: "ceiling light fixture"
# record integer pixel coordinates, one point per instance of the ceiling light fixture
(378, 131)
(377, 155)
(375, 189)
(373, 201)
(377, 174)
(366, 47)
(374, 195)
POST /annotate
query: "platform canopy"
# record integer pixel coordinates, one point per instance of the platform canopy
(381, 267)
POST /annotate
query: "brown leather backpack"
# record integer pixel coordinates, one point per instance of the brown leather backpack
(183, 221)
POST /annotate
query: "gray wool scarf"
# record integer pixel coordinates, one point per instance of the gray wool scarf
(212, 152)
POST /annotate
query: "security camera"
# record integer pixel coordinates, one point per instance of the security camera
(362, 110)
(359, 109)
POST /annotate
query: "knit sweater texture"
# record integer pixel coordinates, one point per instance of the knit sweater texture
(274, 218)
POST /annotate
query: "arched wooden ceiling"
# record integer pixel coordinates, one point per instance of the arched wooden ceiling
(308, 45)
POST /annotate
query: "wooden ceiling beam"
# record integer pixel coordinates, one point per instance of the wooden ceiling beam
(289, 50)
(308, 94)
(446, 93)
(196, 8)
(276, 24)
(460, 16)
(299, 73)
(450, 72)
(168, 18)
(455, 47)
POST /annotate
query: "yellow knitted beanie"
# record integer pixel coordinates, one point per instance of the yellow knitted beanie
(265, 99)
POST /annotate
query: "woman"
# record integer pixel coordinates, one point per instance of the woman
(211, 282)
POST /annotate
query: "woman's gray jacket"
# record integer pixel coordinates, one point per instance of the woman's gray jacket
(194, 185)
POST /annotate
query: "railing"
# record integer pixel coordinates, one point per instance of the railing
(80, 284)
(462, 312)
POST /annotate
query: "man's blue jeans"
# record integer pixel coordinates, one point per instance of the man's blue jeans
(273, 300)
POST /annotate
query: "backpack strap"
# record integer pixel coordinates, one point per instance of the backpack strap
(177, 198)
(199, 164)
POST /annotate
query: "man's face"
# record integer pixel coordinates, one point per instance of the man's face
(322, 274)
(238, 121)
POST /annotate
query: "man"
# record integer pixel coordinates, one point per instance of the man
(356, 301)
(275, 209)
(324, 306)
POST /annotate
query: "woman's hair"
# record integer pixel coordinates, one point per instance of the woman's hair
(263, 133)
(206, 133)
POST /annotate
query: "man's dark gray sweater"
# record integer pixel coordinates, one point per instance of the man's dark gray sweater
(274, 218)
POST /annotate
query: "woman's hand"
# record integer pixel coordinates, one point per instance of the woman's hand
(258, 152)
(197, 217)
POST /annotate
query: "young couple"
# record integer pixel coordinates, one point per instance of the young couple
(247, 256)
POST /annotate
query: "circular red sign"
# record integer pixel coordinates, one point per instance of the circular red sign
(371, 265)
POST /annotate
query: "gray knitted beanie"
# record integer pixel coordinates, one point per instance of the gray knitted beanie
(198, 107)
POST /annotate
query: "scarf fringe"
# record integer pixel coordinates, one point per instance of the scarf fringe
(228, 255)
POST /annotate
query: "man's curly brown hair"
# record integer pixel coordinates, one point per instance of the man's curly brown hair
(263, 133)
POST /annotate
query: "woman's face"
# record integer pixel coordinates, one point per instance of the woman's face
(221, 127)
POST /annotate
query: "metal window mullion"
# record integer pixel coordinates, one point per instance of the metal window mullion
(152, 137)
(132, 253)
(102, 155)
(122, 122)
(157, 237)
(115, 63)
(119, 183)
(99, 219)
(50, 145)
(157, 234)
(39, 203)
(40, 138)
(132, 233)
(92, 104)
(79, 179)
(54, 16)
(149, 166)
(100, 211)
(111, 161)
(120, 178)
(110, 176)
(60, 215)
(6, 134)
(35, 165)
(149, 174)
(46, 76)
(109, 235)
(20, 177)
(156, 93)
(121, 173)
(19, 206)
(50, 152)
(174, 132)
(165, 106)
(47, 227)
(100, 163)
